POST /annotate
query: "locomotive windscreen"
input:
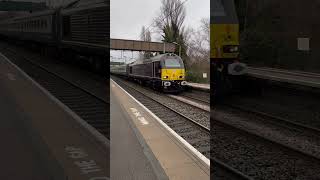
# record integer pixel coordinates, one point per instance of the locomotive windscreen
(223, 12)
(173, 63)
(217, 8)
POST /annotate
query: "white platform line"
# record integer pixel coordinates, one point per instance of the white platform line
(184, 142)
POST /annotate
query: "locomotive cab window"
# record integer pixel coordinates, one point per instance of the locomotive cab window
(217, 8)
(223, 11)
(157, 69)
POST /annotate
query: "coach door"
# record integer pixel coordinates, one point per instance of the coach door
(153, 70)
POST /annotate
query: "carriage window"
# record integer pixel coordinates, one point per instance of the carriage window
(42, 23)
(172, 63)
(66, 26)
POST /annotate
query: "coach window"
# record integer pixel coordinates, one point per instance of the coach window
(66, 26)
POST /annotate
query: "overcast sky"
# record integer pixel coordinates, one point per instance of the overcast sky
(128, 16)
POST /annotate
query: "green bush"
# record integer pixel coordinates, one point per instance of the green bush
(196, 77)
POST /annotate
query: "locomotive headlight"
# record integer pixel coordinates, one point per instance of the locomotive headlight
(231, 49)
(184, 83)
(237, 68)
(167, 83)
(165, 77)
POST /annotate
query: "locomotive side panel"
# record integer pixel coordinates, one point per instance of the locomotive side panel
(141, 70)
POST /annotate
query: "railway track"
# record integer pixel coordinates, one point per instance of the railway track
(198, 96)
(194, 133)
(278, 120)
(289, 141)
(90, 107)
(222, 171)
(298, 137)
(283, 71)
(193, 99)
(258, 157)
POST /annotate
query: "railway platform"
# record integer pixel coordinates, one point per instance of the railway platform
(42, 138)
(149, 148)
(198, 86)
(281, 75)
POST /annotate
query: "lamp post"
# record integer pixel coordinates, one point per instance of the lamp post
(125, 59)
(111, 57)
(179, 47)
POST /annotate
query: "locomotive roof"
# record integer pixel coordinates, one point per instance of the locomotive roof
(153, 59)
(79, 5)
(82, 3)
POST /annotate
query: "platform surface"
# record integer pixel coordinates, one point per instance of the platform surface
(17, 154)
(199, 86)
(66, 149)
(169, 157)
(282, 75)
(128, 160)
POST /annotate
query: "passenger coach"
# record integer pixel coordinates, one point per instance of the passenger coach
(81, 28)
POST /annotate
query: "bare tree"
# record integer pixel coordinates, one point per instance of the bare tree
(145, 35)
(170, 22)
(199, 42)
(205, 27)
(172, 13)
